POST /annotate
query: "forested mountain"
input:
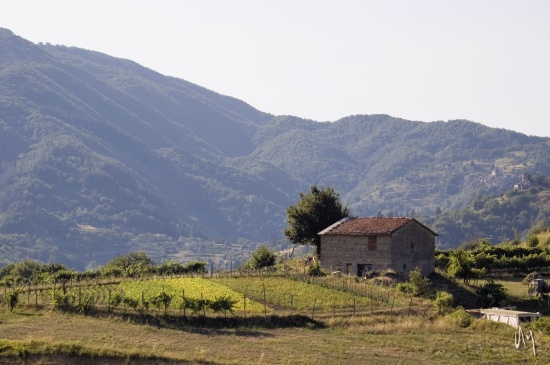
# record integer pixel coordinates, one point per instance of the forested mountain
(498, 218)
(99, 156)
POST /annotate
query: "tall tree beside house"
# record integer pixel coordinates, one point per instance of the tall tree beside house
(316, 210)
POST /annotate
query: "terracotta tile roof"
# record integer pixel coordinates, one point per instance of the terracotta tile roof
(368, 225)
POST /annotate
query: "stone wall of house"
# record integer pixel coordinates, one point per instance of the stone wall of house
(409, 247)
(345, 252)
(413, 246)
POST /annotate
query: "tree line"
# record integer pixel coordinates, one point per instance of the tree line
(130, 265)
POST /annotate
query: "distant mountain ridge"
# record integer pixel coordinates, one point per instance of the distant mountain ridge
(89, 140)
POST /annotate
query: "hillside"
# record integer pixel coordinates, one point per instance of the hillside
(499, 218)
(100, 156)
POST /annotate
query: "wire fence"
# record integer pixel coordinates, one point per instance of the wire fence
(316, 296)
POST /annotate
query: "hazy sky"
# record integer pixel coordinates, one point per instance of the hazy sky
(485, 61)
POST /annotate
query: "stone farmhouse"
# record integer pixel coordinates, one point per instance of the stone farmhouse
(354, 246)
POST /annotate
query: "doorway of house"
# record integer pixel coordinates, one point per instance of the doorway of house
(363, 269)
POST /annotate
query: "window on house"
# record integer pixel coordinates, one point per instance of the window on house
(412, 247)
(371, 246)
(348, 268)
(404, 266)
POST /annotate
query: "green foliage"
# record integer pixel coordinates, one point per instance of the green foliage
(541, 324)
(197, 305)
(86, 303)
(500, 216)
(262, 257)
(418, 285)
(185, 292)
(315, 269)
(132, 264)
(63, 301)
(29, 272)
(132, 303)
(443, 302)
(491, 294)
(532, 241)
(315, 211)
(198, 267)
(170, 267)
(223, 303)
(441, 260)
(474, 263)
(539, 227)
(163, 298)
(12, 299)
(460, 265)
(115, 299)
(460, 318)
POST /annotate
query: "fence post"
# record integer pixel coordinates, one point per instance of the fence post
(244, 305)
(371, 309)
(313, 311)
(265, 303)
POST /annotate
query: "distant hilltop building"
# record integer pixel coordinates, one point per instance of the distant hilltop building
(524, 184)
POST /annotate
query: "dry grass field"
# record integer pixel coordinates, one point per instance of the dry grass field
(46, 336)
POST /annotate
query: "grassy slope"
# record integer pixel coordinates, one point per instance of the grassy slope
(382, 339)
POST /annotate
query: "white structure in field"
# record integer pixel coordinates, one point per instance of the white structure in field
(511, 317)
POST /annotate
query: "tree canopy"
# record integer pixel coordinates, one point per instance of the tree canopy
(315, 211)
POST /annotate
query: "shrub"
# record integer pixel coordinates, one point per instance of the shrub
(406, 288)
(491, 294)
(316, 270)
(532, 241)
(443, 301)
(441, 261)
(262, 257)
(86, 304)
(223, 303)
(132, 303)
(196, 305)
(12, 299)
(418, 285)
(460, 318)
(195, 267)
(62, 301)
(115, 300)
(541, 324)
(163, 299)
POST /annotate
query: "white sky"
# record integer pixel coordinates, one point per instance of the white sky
(485, 61)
